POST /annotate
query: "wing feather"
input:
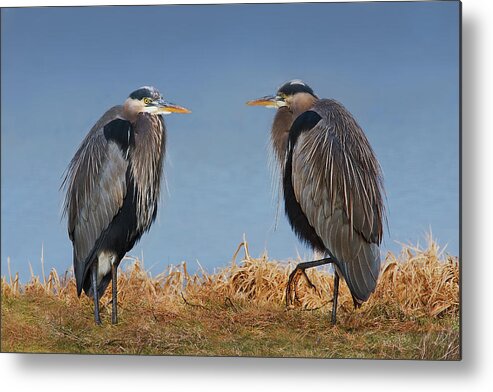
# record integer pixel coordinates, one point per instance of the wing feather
(96, 187)
(337, 183)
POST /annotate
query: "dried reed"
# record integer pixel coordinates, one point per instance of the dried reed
(418, 282)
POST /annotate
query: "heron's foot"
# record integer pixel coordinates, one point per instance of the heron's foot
(97, 318)
(114, 294)
(290, 289)
(312, 286)
(333, 317)
(294, 277)
(114, 315)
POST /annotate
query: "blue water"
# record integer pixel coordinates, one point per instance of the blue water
(394, 66)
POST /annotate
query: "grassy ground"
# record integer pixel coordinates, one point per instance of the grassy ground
(240, 311)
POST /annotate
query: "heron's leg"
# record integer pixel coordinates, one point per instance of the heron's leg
(300, 268)
(336, 295)
(114, 302)
(94, 281)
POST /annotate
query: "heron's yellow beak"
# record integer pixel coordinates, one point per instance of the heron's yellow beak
(175, 109)
(165, 107)
(270, 101)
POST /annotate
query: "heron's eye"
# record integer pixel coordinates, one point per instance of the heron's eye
(147, 101)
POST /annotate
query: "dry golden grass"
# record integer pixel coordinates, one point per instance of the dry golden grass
(239, 310)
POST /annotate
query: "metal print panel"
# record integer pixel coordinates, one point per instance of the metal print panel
(267, 180)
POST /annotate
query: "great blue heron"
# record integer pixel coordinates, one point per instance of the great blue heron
(113, 184)
(332, 185)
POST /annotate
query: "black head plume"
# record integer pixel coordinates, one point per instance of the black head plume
(146, 92)
(295, 86)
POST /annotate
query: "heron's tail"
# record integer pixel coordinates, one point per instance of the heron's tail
(79, 274)
(361, 272)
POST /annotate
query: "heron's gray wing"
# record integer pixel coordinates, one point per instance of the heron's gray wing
(96, 187)
(339, 192)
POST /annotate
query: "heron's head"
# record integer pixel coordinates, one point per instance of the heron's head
(290, 94)
(148, 99)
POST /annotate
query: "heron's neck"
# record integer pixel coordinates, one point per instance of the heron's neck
(302, 102)
(284, 119)
(280, 133)
(132, 108)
